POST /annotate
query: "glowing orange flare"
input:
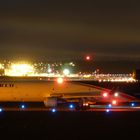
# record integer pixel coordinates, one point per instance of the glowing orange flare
(60, 80)
(114, 102)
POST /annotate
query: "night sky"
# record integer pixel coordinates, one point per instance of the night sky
(67, 29)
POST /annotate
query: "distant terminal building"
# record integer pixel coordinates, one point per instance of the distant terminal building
(2, 72)
(137, 74)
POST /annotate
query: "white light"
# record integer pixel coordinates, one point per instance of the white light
(114, 102)
(49, 70)
(107, 110)
(105, 94)
(20, 70)
(1, 66)
(66, 71)
(116, 94)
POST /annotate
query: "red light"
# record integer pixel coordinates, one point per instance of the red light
(105, 94)
(88, 58)
(114, 102)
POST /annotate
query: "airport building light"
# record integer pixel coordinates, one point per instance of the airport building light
(20, 70)
(66, 72)
(49, 70)
(1, 66)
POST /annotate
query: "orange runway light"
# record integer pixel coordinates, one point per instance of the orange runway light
(60, 80)
(114, 102)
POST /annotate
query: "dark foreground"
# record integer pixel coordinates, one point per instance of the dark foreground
(69, 125)
(43, 125)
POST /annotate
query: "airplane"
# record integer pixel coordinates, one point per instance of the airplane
(58, 91)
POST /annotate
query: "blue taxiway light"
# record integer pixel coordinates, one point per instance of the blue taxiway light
(22, 107)
(1, 109)
(107, 110)
(53, 110)
(132, 104)
(110, 105)
(71, 106)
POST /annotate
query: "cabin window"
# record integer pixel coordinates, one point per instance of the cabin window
(1, 85)
(6, 85)
(11, 85)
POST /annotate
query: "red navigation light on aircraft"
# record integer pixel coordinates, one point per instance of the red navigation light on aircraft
(60, 80)
(105, 94)
(114, 102)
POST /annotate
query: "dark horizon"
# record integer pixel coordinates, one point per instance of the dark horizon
(69, 30)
